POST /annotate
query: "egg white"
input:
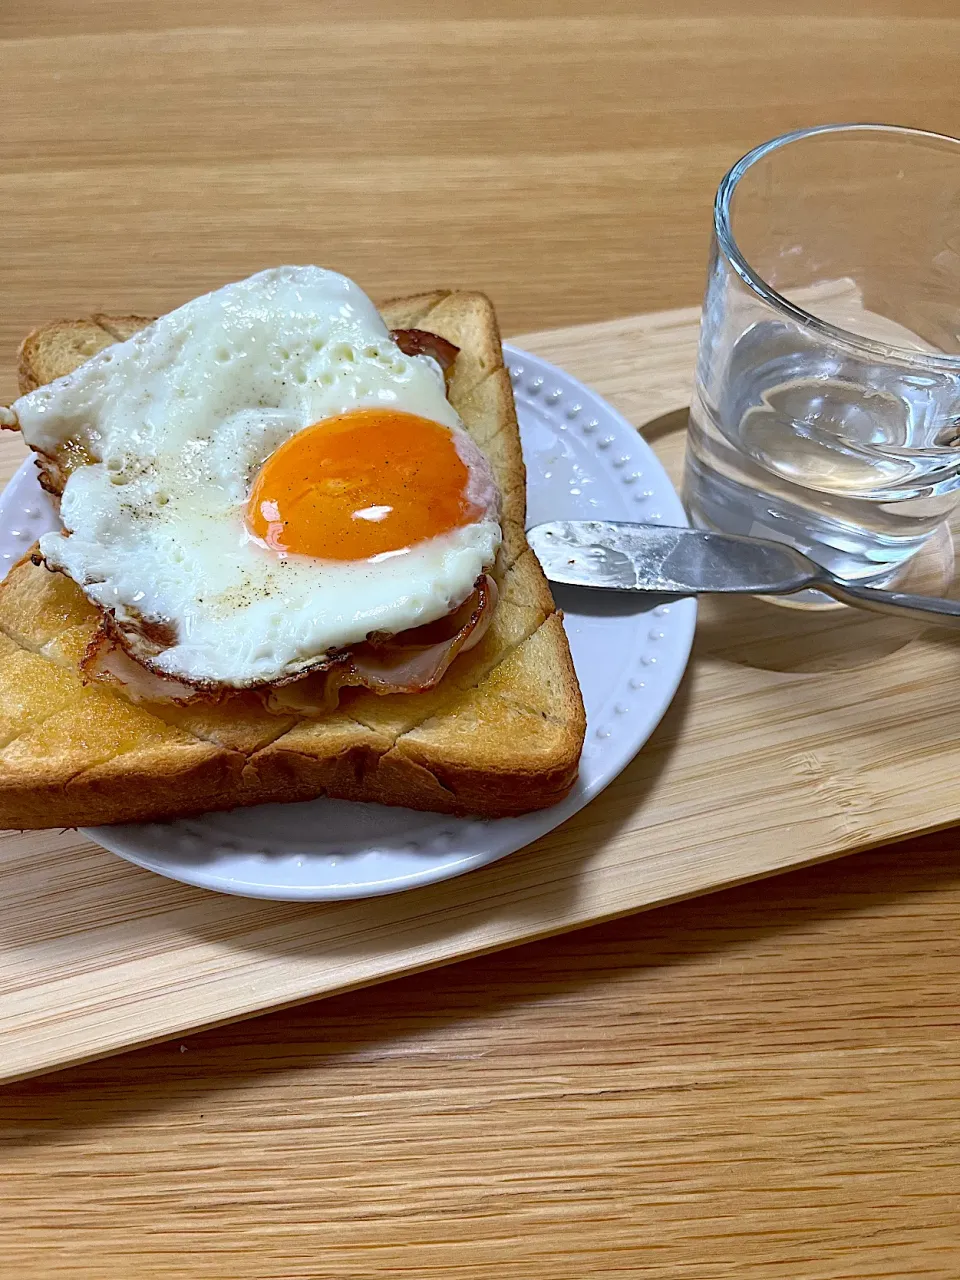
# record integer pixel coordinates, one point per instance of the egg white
(181, 417)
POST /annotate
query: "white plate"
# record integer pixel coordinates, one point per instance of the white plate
(583, 460)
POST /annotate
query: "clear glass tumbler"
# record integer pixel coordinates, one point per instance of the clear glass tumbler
(827, 404)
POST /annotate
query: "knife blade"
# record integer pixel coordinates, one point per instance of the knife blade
(671, 561)
(621, 556)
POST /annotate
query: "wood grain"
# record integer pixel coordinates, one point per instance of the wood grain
(563, 157)
(762, 1083)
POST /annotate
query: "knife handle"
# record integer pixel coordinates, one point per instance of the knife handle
(930, 609)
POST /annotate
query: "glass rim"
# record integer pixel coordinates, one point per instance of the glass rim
(754, 281)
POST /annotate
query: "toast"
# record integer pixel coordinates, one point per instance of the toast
(500, 735)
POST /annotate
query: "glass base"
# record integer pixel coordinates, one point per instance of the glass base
(854, 554)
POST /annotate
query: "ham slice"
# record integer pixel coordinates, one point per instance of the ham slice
(107, 661)
(410, 662)
(417, 342)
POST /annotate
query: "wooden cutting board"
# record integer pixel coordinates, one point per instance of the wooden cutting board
(795, 737)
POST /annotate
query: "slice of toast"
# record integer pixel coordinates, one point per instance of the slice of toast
(500, 735)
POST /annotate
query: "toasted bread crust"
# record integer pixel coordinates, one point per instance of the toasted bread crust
(500, 735)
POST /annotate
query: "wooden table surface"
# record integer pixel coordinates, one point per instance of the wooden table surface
(764, 1083)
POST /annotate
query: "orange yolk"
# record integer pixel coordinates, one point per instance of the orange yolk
(360, 484)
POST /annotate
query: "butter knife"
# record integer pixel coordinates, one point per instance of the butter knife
(620, 556)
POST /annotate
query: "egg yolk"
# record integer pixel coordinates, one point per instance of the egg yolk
(361, 484)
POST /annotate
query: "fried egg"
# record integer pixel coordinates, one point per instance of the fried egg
(265, 477)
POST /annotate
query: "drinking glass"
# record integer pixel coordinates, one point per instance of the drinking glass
(826, 411)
